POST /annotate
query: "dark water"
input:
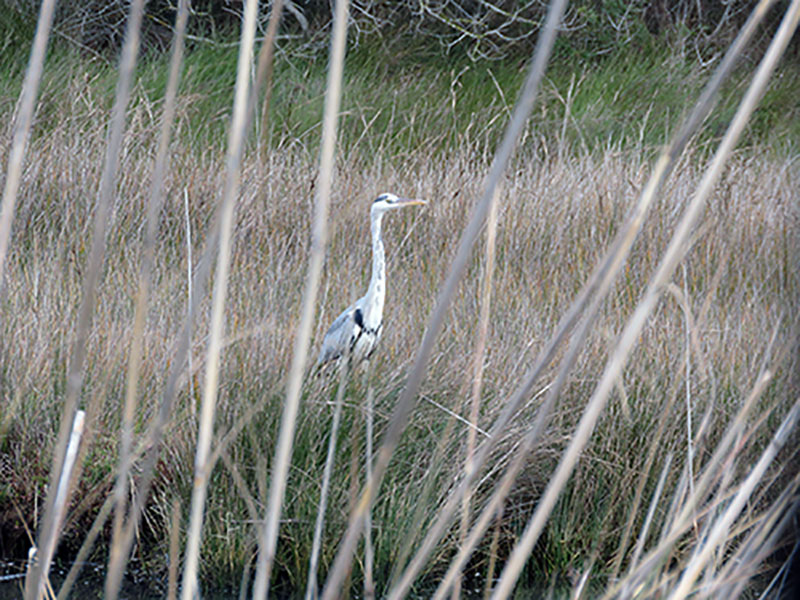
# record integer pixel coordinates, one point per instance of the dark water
(88, 587)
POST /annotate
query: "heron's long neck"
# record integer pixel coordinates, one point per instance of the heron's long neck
(377, 283)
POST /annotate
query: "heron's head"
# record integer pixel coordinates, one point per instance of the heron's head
(386, 202)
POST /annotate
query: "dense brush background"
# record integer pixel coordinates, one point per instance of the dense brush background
(427, 93)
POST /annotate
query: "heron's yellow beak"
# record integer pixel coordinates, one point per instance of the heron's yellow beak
(409, 202)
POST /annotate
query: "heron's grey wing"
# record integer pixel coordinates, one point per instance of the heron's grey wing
(337, 337)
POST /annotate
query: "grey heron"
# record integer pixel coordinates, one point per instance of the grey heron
(358, 328)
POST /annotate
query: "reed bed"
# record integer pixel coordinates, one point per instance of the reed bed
(685, 485)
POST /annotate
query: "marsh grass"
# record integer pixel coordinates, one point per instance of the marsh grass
(561, 205)
(540, 265)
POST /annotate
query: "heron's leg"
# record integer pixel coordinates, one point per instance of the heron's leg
(369, 583)
(311, 585)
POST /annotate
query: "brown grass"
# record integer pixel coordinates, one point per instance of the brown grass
(555, 220)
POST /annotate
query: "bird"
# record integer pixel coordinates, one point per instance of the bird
(358, 329)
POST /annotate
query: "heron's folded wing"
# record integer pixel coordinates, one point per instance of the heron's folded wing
(337, 337)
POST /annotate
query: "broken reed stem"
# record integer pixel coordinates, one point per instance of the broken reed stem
(119, 545)
(236, 139)
(407, 398)
(49, 532)
(283, 450)
(43, 555)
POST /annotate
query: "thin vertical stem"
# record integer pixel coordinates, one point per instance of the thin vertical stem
(651, 510)
(22, 126)
(407, 399)
(283, 450)
(75, 373)
(477, 367)
(688, 319)
(316, 544)
(174, 550)
(189, 263)
(236, 139)
(369, 554)
(118, 547)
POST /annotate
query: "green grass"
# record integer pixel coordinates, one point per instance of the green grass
(401, 95)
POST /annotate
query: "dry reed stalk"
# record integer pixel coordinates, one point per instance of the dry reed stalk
(311, 585)
(121, 539)
(369, 550)
(236, 141)
(22, 126)
(683, 298)
(86, 546)
(761, 543)
(596, 287)
(263, 78)
(49, 532)
(283, 450)
(44, 553)
(406, 401)
(722, 526)
(651, 510)
(265, 65)
(720, 465)
(174, 550)
(689, 507)
(673, 254)
(655, 446)
(189, 263)
(477, 369)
